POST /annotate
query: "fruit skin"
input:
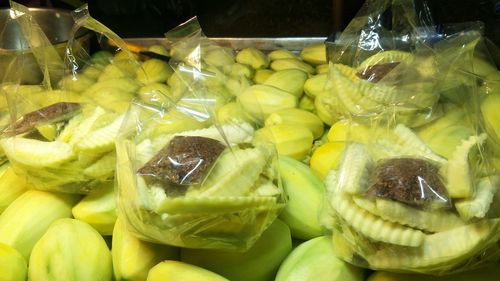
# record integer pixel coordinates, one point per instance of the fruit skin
(258, 263)
(132, 257)
(290, 80)
(12, 265)
(314, 54)
(253, 57)
(489, 273)
(70, 250)
(179, 271)
(259, 101)
(98, 209)
(289, 140)
(299, 118)
(29, 216)
(305, 197)
(315, 260)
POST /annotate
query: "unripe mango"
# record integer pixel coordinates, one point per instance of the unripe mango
(13, 266)
(239, 69)
(307, 103)
(181, 271)
(289, 140)
(322, 68)
(11, 186)
(153, 71)
(315, 260)
(283, 64)
(231, 112)
(290, 80)
(261, 75)
(29, 216)
(259, 101)
(98, 209)
(305, 194)
(133, 258)
(315, 85)
(314, 54)
(297, 117)
(253, 57)
(281, 54)
(219, 56)
(258, 263)
(326, 157)
(70, 250)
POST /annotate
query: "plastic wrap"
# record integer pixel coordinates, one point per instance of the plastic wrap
(62, 131)
(183, 177)
(417, 187)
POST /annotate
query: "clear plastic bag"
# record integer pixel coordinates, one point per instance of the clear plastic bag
(417, 187)
(62, 131)
(184, 178)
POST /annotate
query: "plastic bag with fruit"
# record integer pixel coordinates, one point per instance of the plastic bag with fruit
(62, 132)
(183, 177)
(416, 189)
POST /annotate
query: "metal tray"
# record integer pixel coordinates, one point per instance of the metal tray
(266, 44)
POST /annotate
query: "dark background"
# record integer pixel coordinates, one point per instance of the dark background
(258, 18)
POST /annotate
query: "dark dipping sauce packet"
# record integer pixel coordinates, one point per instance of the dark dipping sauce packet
(184, 161)
(50, 114)
(412, 181)
(374, 73)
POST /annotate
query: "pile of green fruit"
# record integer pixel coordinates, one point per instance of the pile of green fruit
(63, 216)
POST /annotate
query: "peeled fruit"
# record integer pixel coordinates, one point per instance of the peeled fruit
(289, 140)
(299, 118)
(261, 75)
(98, 209)
(29, 216)
(315, 260)
(305, 195)
(314, 54)
(258, 263)
(326, 157)
(70, 250)
(281, 54)
(12, 265)
(153, 71)
(253, 57)
(11, 186)
(259, 101)
(315, 85)
(489, 108)
(290, 80)
(283, 64)
(180, 271)
(133, 258)
(346, 130)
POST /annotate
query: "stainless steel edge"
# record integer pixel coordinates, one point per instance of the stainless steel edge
(267, 44)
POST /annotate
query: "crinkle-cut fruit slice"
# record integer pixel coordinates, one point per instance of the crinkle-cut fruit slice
(479, 205)
(430, 221)
(101, 140)
(412, 181)
(185, 160)
(442, 250)
(385, 57)
(211, 205)
(458, 173)
(235, 173)
(375, 227)
(102, 168)
(50, 114)
(355, 168)
(37, 153)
